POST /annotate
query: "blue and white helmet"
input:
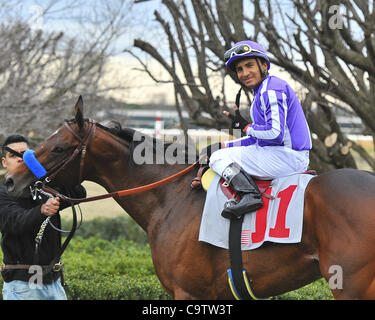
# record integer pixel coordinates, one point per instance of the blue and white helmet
(245, 49)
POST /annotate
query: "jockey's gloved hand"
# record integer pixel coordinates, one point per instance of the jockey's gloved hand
(206, 152)
(238, 122)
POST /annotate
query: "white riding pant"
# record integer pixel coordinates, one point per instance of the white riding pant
(264, 163)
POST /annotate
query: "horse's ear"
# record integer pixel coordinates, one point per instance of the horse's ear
(78, 108)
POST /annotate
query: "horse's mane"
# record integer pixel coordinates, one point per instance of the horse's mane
(128, 135)
(135, 138)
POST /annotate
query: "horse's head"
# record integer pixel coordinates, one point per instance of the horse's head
(61, 154)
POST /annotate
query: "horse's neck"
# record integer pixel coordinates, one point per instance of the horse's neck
(145, 207)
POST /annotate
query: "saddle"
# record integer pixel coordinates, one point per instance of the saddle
(205, 176)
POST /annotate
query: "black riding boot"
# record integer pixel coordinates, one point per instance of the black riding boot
(244, 185)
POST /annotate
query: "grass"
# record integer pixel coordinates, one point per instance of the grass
(318, 290)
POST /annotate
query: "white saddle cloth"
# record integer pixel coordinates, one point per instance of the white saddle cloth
(280, 220)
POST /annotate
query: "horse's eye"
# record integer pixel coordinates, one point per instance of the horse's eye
(57, 150)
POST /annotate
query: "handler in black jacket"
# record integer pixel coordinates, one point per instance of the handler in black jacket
(20, 221)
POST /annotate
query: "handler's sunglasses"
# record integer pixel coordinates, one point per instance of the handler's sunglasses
(239, 50)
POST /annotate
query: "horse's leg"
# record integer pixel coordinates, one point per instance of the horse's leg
(345, 232)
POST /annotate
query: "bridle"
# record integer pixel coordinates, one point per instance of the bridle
(80, 149)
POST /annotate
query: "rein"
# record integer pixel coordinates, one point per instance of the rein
(125, 192)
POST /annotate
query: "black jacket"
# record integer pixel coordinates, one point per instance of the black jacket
(20, 221)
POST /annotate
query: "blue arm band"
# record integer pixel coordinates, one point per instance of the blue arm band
(33, 164)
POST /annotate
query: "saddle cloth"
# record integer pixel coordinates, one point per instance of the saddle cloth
(279, 220)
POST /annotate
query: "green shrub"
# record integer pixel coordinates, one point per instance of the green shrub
(117, 269)
(318, 290)
(113, 287)
(112, 257)
(109, 229)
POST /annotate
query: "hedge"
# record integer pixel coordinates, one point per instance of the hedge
(109, 229)
(117, 269)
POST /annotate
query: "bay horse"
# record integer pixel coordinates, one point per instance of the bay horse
(338, 219)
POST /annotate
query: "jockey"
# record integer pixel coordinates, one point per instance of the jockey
(278, 141)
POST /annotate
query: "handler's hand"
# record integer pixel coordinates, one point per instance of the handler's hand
(50, 207)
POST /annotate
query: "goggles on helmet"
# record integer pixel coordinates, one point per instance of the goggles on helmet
(239, 50)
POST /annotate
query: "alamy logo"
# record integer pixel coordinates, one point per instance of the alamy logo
(36, 280)
(336, 280)
(36, 20)
(335, 21)
(148, 150)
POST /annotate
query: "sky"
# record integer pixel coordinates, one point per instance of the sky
(63, 15)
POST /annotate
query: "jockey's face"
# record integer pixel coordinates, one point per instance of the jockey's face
(248, 72)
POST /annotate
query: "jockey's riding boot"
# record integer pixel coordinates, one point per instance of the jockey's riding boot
(244, 185)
